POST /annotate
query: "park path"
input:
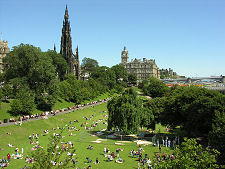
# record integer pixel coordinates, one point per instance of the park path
(50, 115)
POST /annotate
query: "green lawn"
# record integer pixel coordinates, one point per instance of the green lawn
(83, 138)
(4, 111)
(5, 107)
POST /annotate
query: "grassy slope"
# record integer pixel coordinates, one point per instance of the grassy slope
(3, 111)
(19, 138)
(5, 107)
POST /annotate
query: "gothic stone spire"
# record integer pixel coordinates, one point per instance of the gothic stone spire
(66, 42)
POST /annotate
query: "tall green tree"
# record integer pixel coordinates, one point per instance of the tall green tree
(193, 109)
(60, 64)
(217, 136)
(1, 96)
(23, 103)
(190, 155)
(132, 79)
(35, 67)
(89, 65)
(7, 90)
(155, 88)
(156, 106)
(105, 76)
(125, 112)
(121, 74)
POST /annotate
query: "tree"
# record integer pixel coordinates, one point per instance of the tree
(54, 154)
(2, 77)
(1, 96)
(217, 136)
(16, 107)
(193, 109)
(24, 102)
(105, 76)
(7, 91)
(21, 61)
(125, 112)
(147, 118)
(65, 90)
(156, 106)
(155, 88)
(60, 64)
(94, 87)
(190, 155)
(29, 64)
(89, 65)
(132, 79)
(121, 74)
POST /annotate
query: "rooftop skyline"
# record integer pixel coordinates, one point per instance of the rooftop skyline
(187, 36)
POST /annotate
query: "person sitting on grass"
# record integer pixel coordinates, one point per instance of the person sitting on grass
(110, 158)
(89, 160)
(90, 147)
(97, 161)
(113, 155)
(120, 160)
(74, 162)
(71, 134)
(8, 157)
(10, 145)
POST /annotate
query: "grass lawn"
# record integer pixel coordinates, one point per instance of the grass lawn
(5, 107)
(4, 111)
(82, 139)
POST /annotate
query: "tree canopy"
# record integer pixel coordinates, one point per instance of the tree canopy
(121, 74)
(193, 109)
(154, 87)
(217, 136)
(190, 155)
(89, 64)
(132, 79)
(125, 112)
(60, 64)
(27, 65)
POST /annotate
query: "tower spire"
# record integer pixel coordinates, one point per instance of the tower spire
(77, 54)
(66, 41)
(54, 48)
(77, 64)
(66, 47)
(66, 16)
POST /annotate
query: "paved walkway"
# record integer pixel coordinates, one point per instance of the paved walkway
(50, 115)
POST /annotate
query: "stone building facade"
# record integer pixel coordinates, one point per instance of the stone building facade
(165, 73)
(66, 47)
(143, 69)
(4, 49)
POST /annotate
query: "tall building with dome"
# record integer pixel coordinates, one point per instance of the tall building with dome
(66, 47)
(143, 69)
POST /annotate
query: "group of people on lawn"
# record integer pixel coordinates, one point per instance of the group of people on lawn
(4, 162)
(110, 156)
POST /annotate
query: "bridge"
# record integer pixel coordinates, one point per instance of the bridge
(218, 88)
(220, 79)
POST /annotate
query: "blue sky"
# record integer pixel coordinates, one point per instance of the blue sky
(185, 35)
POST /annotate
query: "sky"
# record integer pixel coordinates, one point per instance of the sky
(185, 35)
